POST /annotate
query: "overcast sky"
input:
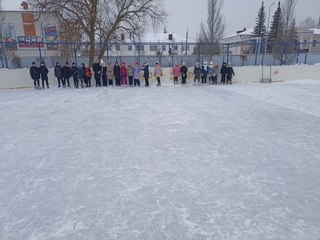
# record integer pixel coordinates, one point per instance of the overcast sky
(238, 14)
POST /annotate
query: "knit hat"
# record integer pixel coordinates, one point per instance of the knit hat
(33, 63)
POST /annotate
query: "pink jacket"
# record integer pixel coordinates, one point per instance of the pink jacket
(176, 71)
(158, 72)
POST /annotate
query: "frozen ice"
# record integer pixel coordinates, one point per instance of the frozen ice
(184, 162)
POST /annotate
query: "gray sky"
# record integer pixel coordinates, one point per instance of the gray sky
(238, 13)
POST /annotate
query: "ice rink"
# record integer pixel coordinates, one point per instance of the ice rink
(239, 162)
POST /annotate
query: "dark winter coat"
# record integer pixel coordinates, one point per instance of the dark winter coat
(96, 67)
(184, 71)
(230, 73)
(74, 71)
(146, 72)
(224, 70)
(204, 70)
(197, 72)
(66, 72)
(44, 72)
(80, 73)
(34, 72)
(116, 72)
(58, 71)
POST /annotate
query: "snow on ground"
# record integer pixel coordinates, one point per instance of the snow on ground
(215, 162)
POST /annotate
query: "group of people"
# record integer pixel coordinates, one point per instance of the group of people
(105, 74)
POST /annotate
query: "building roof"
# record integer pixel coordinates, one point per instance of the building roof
(248, 32)
(164, 38)
(315, 31)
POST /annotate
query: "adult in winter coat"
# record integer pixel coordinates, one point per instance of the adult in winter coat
(223, 72)
(137, 74)
(184, 72)
(211, 70)
(130, 73)
(35, 75)
(158, 73)
(80, 75)
(110, 73)
(197, 72)
(66, 74)
(74, 73)
(104, 75)
(116, 73)
(97, 72)
(58, 73)
(146, 74)
(204, 73)
(44, 74)
(123, 74)
(230, 73)
(176, 73)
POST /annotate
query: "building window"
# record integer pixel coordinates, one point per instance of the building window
(305, 43)
(118, 47)
(130, 48)
(184, 47)
(314, 43)
(175, 48)
(141, 48)
(153, 48)
(164, 48)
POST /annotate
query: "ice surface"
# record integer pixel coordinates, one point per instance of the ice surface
(215, 162)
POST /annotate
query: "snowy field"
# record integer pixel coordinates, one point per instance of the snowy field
(187, 162)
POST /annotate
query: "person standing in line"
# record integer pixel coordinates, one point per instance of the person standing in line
(104, 75)
(66, 74)
(146, 74)
(130, 73)
(85, 79)
(96, 67)
(197, 72)
(158, 73)
(35, 75)
(44, 74)
(137, 74)
(88, 74)
(176, 73)
(116, 73)
(110, 73)
(216, 73)
(58, 73)
(74, 74)
(184, 72)
(223, 72)
(211, 72)
(230, 73)
(204, 73)
(80, 75)
(123, 74)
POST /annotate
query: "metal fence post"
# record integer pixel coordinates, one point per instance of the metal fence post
(298, 52)
(228, 49)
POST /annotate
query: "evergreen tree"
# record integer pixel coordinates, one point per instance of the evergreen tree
(260, 29)
(276, 25)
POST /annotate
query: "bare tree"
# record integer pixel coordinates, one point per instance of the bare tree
(104, 20)
(214, 30)
(288, 13)
(309, 22)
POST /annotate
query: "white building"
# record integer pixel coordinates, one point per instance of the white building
(240, 43)
(153, 44)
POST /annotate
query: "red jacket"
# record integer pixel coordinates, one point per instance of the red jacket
(123, 71)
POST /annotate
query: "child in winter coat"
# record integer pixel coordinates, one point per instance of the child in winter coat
(123, 74)
(44, 74)
(230, 73)
(211, 72)
(104, 75)
(130, 73)
(74, 73)
(204, 73)
(96, 67)
(197, 72)
(116, 73)
(80, 73)
(215, 75)
(184, 72)
(146, 74)
(110, 73)
(35, 75)
(158, 73)
(137, 74)
(88, 74)
(176, 73)
(66, 74)
(223, 72)
(58, 73)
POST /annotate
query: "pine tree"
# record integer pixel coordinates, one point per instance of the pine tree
(276, 25)
(260, 29)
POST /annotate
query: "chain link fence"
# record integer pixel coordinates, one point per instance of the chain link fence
(250, 53)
